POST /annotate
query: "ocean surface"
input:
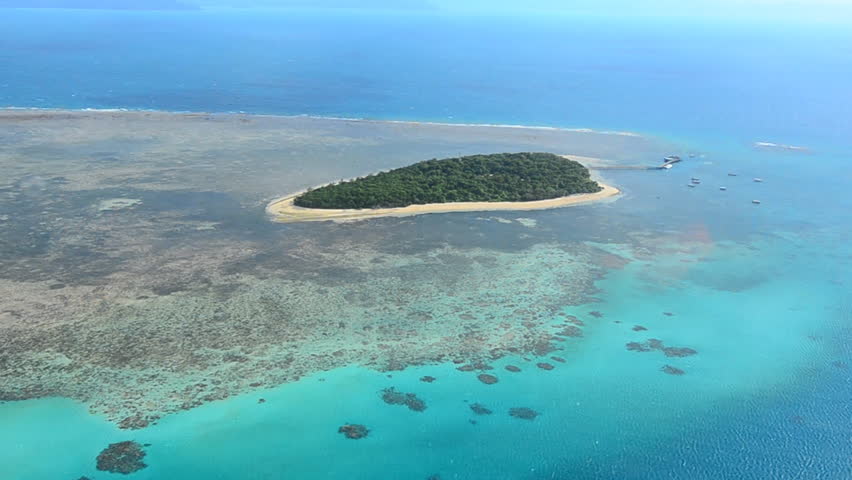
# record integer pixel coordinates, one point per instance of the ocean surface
(759, 293)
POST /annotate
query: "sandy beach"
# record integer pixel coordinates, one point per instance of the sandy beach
(283, 210)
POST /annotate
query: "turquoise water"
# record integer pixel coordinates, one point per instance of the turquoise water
(760, 292)
(607, 412)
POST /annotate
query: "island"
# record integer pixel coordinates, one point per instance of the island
(502, 181)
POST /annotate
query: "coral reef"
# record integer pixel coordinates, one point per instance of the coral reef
(655, 344)
(487, 379)
(470, 367)
(480, 409)
(353, 431)
(427, 379)
(672, 370)
(513, 368)
(137, 421)
(410, 400)
(122, 457)
(544, 366)
(523, 413)
(571, 331)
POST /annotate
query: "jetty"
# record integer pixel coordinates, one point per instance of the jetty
(668, 163)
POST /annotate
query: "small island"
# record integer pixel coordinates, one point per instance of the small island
(502, 181)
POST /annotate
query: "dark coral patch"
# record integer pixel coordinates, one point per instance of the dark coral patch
(475, 366)
(487, 379)
(523, 413)
(410, 400)
(558, 359)
(121, 457)
(668, 314)
(428, 379)
(137, 421)
(596, 314)
(353, 431)
(672, 370)
(570, 331)
(679, 351)
(542, 347)
(638, 347)
(480, 409)
(655, 344)
(544, 366)
(639, 328)
(513, 368)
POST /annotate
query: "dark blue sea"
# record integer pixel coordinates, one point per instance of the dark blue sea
(763, 401)
(734, 79)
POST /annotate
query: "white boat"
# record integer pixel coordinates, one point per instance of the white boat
(758, 180)
(756, 202)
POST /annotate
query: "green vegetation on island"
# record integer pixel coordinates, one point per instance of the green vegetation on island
(501, 177)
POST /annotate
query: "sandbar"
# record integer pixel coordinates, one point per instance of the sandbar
(283, 209)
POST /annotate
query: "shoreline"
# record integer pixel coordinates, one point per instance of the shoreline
(66, 111)
(282, 210)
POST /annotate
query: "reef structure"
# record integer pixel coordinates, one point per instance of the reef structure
(122, 457)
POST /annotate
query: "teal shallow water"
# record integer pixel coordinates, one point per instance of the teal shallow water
(758, 338)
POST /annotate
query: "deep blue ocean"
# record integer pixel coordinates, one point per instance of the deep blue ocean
(710, 86)
(734, 79)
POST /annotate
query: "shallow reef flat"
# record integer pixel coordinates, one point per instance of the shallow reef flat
(134, 359)
(140, 275)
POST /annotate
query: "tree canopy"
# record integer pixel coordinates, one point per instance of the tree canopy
(501, 177)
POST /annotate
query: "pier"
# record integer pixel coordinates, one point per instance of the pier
(668, 163)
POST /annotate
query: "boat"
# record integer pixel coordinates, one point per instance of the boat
(723, 188)
(756, 202)
(690, 185)
(732, 174)
(667, 166)
(758, 180)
